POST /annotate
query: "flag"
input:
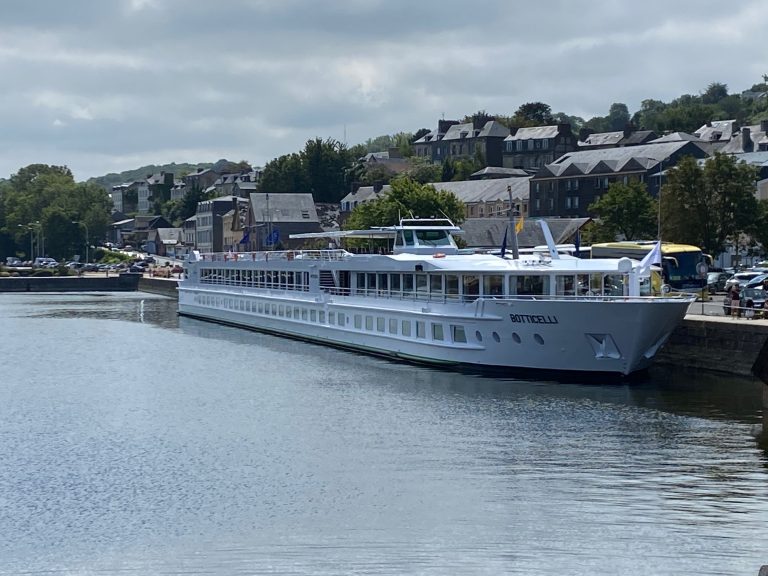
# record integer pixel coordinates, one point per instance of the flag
(504, 242)
(519, 225)
(273, 238)
(653, 257)
(246, 237)
(577, 244)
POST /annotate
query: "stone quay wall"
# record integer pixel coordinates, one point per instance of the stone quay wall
(114, 283)
(721, 344)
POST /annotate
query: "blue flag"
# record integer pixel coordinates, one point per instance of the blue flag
(246, 237)
(577, 243)
(273, 238)
(504, 243)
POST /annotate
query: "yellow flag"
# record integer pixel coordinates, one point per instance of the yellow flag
(519, 225)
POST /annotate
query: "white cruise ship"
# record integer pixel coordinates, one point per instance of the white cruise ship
(426, 302)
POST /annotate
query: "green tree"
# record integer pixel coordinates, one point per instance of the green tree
(406, 198)
(706, 206)
(715, 92)
(423, 171)
(533, 114)
(284, 174)
(449, 170)
(625, 211)
(618, 117)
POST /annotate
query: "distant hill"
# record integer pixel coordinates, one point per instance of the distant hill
(222, 166)
(113, 179)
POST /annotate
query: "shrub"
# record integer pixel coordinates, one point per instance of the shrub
(43, 272)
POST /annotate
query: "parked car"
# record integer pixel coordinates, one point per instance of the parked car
(756, 281)
(716, 281)
(741, 278)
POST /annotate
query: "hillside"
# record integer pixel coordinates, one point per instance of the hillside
(109, 180)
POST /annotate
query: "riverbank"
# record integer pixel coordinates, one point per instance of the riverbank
(126, 282)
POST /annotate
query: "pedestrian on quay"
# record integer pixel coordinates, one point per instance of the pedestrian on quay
(749, 309)
(736, 301)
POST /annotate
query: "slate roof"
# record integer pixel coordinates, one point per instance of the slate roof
(719, 131)
(489, 232)
(639, 137)
(498, 171)
(534, 133)
(283, 207)
(470, 191)
(603, 139)
(364, 194)
(606, 160)
(493, 128)
(736, 145)
(170, 235)
(676, 137)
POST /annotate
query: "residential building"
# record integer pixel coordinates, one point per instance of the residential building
(532, 148)
(748, 139)
(131, 197)
(490, 198)
(463, 141)
(717, 133)
(272, 218)
(166, 242)
(209, 224)
(158, 190)
(362, 195)
(567, 186)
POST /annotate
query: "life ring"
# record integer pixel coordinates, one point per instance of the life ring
(438, 255)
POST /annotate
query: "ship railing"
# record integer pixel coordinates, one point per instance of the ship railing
(275, 255)
(418, 296)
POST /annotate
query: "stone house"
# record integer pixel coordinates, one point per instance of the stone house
(532, 148)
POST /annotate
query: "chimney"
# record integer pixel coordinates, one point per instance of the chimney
(746, 140)
(764, 126)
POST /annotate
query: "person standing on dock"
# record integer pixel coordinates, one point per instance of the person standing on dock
(736, 301)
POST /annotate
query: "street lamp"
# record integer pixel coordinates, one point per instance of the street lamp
(86, 238)
(32, 226)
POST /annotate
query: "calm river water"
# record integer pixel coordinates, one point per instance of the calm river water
(136, 442)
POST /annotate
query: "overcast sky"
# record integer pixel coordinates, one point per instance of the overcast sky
(111, 85)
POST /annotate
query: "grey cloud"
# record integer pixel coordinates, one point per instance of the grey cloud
(101, 83)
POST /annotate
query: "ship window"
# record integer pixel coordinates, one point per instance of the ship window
(369, 322)
(420, 330)
(493, 285)
(360, 281)
(407, 284)
(393, 326)
(531, 285)
(342, 319)
(405, 328)
(471, 286)
(371, 282)
(280, 311)
(313, 315)
(539, 339)
(379, 324)
(496, 337)
(296, 312)
(452, 286)
(274, 310)
(564, 285)
(421, 283)
(261, 308)
(436, 284)
(331, 317)
(408, 236)
(322, 316)
(287, 311)
(304, 314)
(358, 321)
(516, 337)
(458, 334)
(437, 332)
(478, 335)
(394, 282)
(383, 283)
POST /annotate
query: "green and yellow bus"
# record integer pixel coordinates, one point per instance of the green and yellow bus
(680, 262)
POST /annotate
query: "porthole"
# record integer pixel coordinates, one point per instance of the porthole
(516, 337)
(478, 336)
(539, 339)
(496, 337)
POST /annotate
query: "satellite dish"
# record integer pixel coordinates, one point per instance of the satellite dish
(625, 265)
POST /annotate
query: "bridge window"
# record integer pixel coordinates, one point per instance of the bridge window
(437, 332)
(458, 334)
(493, 285)
(471, 285)
(452, 286)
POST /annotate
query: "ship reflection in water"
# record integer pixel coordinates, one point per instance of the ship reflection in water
(155, 444)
